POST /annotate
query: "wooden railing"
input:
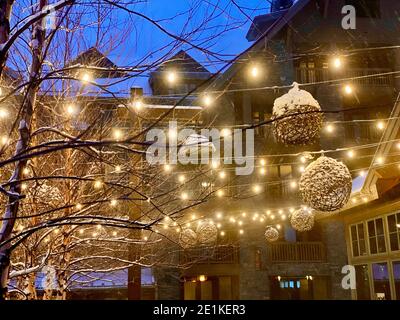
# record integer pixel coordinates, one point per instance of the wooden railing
(366, 77)
(297, 252)
(210, 255)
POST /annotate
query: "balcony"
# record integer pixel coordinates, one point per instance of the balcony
(210, 255)
(297, 252)
(308, 75)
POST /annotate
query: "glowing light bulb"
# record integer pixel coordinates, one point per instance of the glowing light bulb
(254, 71)
(171, 77)
(220, 193)
(118, 169)
(79, 206)
(98, 184)
(4, 140)
(241, 231)
(256, 188)
(184, 196)
(214, 164)
(138, 105)
(263, 171)
(113, 202)
(226, 132)
(24, 186)
(3, 113)
(26, 171)
(348, 89)
(181, 178)
(303, 159)
(167, 168)
(86, 77)
(362, 173)
(222, 174)
(380, 125)
(302, 169)
(337, 62)
(244, 214)
(71, 109)
(117, 134)
(114, 233)
(380, 160)
(222, 233)
(278, 226)
(330, 128)
(219, 215)
(291, 210)
(354, 200)
(207, 100)
(81, 231)
(293, 184)
(350, 154)
(263, 162)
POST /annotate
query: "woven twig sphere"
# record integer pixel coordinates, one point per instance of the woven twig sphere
(292, 128)
(325, 185)
(207, 233)
(302, 220)
(188, 238)
(271, 234)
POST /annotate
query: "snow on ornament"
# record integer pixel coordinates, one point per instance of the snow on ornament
(325, 184)
(297, 120)
(271, 234)
(302, 220)
(207, 232)
(187, 238)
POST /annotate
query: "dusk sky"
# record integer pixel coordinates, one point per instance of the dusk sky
(224, 14)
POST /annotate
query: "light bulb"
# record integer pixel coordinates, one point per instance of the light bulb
(138, 105)
(226, 132)
(113, 202)
(184, 196)
(348, 89)
(263, 162)
(222, 174)
(263, 171)
(118, 168)
(350, 154)
(380, 125)
(220, 193)
(3, 113)
(171, 77)
(117, 134)
(330, 128)
(167, 168)
(98, 184)
(181, 178)
(86, 77)
(337, 62)
(207, 100)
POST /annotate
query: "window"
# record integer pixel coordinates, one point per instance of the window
(381, 282)
(394, 231)
(376, 236)
(362, 282)
(396, 276)
(366, 8)
(358, 240)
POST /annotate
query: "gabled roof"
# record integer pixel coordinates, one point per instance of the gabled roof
(271, 31)
(184, 63)
(93, 57)
(262, 23)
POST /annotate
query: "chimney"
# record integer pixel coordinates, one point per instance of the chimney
(278, 5)
(136, 93)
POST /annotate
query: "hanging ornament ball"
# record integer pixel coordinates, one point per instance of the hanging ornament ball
(207, 232)
(326, 184)
(297, 120)
(271, 234)
(187, 238)
(302, 220)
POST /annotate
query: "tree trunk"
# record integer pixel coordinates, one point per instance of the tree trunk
(25, 128)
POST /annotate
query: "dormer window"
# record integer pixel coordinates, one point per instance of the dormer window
(366, 8)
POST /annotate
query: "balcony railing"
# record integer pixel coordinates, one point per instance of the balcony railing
(210, 255)
(297, 252)
(366, 77)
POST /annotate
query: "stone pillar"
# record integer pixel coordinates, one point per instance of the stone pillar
(336, 253)
(253, 284)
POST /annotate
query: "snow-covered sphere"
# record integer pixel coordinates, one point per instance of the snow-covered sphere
(271, 234)
(207, 232)
(293, 128)
(325, 184)
(302, 220)
(187, 238)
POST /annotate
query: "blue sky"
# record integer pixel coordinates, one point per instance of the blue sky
(145, 37)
